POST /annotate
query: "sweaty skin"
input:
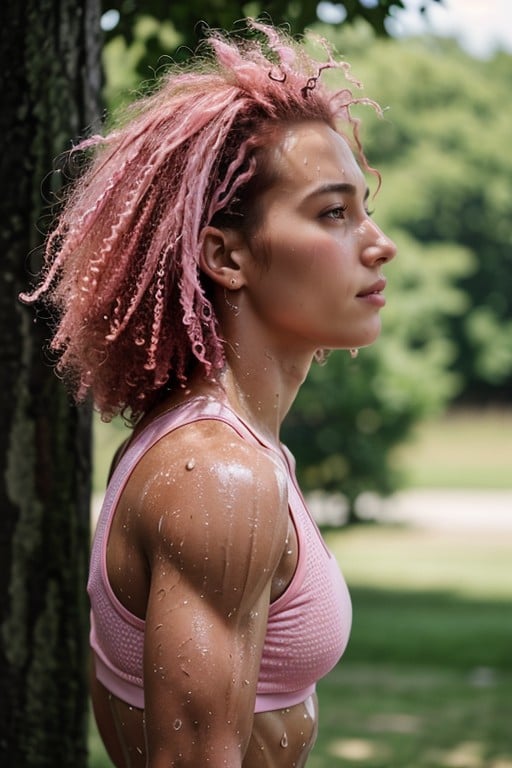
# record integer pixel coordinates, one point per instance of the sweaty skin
(226, 473)
(201, 541)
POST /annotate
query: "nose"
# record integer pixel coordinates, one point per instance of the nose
(377, 247)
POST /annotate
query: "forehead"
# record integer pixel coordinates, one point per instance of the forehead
(313, 153)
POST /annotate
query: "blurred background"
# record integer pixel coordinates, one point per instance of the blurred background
(406, 452)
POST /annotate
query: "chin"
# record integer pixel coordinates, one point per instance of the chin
(369, 338)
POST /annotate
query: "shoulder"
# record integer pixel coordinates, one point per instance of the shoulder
(213, 505)
(207, 451)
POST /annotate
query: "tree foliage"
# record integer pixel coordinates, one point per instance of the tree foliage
(149, 33)
(443, 151)
(190, 19)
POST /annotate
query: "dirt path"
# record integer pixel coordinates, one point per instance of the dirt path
(448, 509)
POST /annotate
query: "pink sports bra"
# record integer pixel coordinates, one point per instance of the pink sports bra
(308, 625)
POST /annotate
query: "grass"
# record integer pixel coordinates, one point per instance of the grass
(427, 679)
(389, 716)
(106, 439)
(461, 449)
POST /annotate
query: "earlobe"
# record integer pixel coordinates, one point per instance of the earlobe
(220, 257)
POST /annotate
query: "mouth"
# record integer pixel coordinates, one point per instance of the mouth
(373, 290)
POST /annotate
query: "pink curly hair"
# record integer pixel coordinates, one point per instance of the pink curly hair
(121, 265)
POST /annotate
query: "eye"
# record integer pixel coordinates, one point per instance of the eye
(337, 213)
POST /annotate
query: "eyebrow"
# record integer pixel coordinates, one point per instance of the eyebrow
(343, 187)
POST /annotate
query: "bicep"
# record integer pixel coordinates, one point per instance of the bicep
(200, 674)
(215, 541)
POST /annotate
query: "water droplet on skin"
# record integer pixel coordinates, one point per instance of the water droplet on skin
(190, 464)
(284, 741)
(177, 724)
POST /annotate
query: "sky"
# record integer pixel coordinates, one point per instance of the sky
(480, 26)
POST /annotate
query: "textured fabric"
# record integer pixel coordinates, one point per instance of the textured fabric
(308, 625)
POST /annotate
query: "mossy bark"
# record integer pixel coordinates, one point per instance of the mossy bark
(50, 71)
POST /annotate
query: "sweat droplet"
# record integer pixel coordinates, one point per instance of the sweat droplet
(177, 724)
(190, 464)
(284, 741)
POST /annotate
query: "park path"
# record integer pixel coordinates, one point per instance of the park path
(442, 509)
(449, 509)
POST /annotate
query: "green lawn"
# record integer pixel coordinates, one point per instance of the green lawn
(427, 679)
(461, 449)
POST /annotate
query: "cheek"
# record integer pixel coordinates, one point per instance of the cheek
(301, 250)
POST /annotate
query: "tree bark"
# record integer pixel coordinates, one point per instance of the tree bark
(50, 71)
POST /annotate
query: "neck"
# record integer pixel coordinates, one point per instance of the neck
(260, 388)
(264, 368)
(263, 387)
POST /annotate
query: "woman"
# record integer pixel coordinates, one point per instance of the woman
(218, 241)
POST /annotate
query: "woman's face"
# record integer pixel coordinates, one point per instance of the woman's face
(322, 283)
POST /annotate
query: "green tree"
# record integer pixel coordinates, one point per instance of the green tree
(49, 59)
(350, 414)
(148, 33)
(443, 150)
(191, 18)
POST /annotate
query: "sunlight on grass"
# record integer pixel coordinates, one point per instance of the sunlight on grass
(460, 449)
(402, 716)
(475, 564)
(468, 754)
(356, 749)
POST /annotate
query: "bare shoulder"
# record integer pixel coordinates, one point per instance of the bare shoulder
(213, 506)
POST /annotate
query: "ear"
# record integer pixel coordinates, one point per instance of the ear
(222, 255)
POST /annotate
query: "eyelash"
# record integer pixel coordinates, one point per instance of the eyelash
(343, 208)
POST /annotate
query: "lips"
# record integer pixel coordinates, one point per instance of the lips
(374, 289)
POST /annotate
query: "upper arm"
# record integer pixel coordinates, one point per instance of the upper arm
(215, 525)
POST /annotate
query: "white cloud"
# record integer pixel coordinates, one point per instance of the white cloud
(480, 26)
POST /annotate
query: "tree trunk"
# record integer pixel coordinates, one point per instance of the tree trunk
(49, 65)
